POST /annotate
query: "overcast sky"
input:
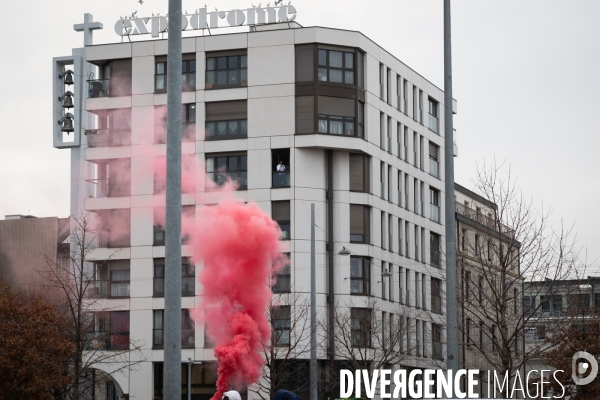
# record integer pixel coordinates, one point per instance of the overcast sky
(526, 78)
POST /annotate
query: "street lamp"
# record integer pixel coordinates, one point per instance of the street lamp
(344, 252)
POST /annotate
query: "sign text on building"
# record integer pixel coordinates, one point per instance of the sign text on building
(207, 20)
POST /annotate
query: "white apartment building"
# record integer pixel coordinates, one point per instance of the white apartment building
(360, 131)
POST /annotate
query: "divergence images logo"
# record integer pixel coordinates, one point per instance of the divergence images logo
(583, 367)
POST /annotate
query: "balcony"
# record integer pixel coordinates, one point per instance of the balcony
(98, 187)
(98, 88)
(484, 220)
(433, 124)
(434, 168)
(434, 213)
(102, 340)
(281, 179)
(188, 286)
(435, 258)
(108, 137)
(104, 289)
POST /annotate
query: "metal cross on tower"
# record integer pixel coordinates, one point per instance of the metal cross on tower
(88, 27)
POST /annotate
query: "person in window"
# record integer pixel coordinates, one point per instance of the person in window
(282, 167)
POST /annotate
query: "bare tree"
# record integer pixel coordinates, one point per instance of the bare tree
(96, 338)
(505, 240)
(286, 353)
(369, 337)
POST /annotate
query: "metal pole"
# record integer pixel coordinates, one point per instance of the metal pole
(451, 290)
(172, 313)
(313, 308)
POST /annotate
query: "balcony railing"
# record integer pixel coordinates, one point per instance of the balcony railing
(281, 179)
(104, 289)
(98, 187)
(98, 88)
(188, 286)
(102, 340)
(434, 168)
(108, 137)
(434, 213)
(484, 220)
(433, 123)
(435, 258)
(188, 133)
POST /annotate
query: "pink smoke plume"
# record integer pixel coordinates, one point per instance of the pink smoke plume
(240, 247)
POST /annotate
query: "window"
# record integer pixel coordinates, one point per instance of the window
(382, 179)
(114, 178)
(579, 302)
(434, 164)
(383, 291)
(390, 233)
(477, 246)
(281, 214)
(489, 250)
(405, 97)
(114, 228)
(400, 239)
(361, 119)
(468, 331)
(467, 285)
(381, 69)
(480, 296)
(417, 252)
(406, 238)
(390, 197)
(188, 73)
(111, 280)
(188, 331)
(336, 66)
(405, 144)
(434, 250)
(383, 238)
(359, 223)
(360, 320)
(360, 273)
(280, 159)
(226, 70)
(407, 286)
(515, 299)
(434, 204)
(119, 282)
(406, 184)
(399, 188)
(436, 295)
(111, 331)
(399, 93)
(224, 167)
(188, 281)
(463, 236)
(283, 279)
(188, 123)
(281, 325)
(433, 115)
(481, 334)
(114, 129)
(227, 120)
(494, 343)
(436, 341)
(359, 173)
(336, 125)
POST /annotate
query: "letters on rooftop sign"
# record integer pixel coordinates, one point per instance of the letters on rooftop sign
(202, 19)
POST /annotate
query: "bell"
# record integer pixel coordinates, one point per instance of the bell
(68, 101)
(68, 77)
(67, 123)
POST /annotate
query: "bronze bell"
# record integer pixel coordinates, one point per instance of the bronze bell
(67, 123)
(68, 100)
(68, 77)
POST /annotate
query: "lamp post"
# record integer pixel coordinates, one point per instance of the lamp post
(313, 308)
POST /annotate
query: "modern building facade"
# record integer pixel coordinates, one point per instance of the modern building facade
(360, 132)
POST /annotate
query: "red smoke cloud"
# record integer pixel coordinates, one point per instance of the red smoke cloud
(240, 247)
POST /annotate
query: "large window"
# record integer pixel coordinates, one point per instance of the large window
(359, 223)
(111, 331)
(234, 167)
(188, 73)
(115, 227)
(281, 214)
(227, 120)
(280, 160)
(187, 330)
(336, 125)
(281, 325)
(434, 204)
(360, 272)
(226, 70)
(336, 66)
(188, 273)
(283, 279)
(188, 123)
(434, 250)
(112, 280)
(436, 295)
(433, 115)
(360, 320)
(434, 163)
(436, 341)
(359, 173)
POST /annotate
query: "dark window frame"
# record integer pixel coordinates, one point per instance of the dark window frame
(345, 121)
(281, 322)
(240, 70)
(188, 74)
(364, 278)
(220, 177)
(328, 68)
(188, 330)
(361, 326)
(188, 278)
